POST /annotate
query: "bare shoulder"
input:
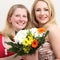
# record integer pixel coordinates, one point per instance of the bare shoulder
(53, 27)
(54, 33)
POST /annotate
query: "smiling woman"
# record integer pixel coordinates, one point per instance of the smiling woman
(43, 15)
(41, 12)
(16, 20)
(6, 5)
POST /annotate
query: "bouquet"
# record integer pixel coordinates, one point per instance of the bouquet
(27, 41)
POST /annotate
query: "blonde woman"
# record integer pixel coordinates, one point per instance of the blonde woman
(43, 15)
(18, 18)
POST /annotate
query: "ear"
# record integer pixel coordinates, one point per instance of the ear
(9, 19)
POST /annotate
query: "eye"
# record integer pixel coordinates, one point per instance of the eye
(38, 9)
(46, 9)
(24, 16)
(17, 15)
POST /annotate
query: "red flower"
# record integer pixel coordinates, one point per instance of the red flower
(35, 43)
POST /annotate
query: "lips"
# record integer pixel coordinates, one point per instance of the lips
(42, 18)
(20, 23)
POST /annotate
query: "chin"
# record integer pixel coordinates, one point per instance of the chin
(44, 22)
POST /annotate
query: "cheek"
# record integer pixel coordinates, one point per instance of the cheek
(47, 14)
(26, 20)
(13, 19)
(37, 15)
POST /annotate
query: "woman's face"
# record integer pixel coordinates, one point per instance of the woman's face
(42, 12)
(19, 19)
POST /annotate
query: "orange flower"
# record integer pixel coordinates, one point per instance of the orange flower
(41, 30)
(35, 43)
(13, 37)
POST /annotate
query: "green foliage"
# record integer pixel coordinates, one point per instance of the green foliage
(10, 36)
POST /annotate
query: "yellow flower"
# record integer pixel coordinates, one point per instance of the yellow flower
(30, 39)
(25, 42)
(26, 49)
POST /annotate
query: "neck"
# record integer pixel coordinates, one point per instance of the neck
(41, 25)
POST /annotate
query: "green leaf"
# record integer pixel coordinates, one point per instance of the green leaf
(46, 33)
(15, 55)
(13, 49)
(10, 36)
(13, 44)
(10, 43)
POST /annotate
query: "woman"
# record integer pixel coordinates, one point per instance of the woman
(18, 18)
(43, 15)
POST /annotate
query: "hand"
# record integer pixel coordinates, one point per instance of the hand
(31, 57)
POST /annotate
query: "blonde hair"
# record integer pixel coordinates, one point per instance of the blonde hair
(51, 11)
(8, 29)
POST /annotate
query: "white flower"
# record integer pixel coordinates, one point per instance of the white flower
(20, 36)
(41, 34)
(34, 32)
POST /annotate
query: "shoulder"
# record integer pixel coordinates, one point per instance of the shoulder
(53, 28)
(54, 33)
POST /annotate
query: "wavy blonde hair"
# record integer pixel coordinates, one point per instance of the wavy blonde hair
(8, 29)
(51, 12)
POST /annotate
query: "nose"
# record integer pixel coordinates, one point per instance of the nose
(21, 18)
(42, 12)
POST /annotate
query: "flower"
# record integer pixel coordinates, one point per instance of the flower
(28, 41)
(35, 43)
(41, 30)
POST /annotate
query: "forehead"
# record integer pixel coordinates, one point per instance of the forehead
(20, 10)
(41, 4)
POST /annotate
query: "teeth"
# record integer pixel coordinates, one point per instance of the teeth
(42, 17)
(20, 23)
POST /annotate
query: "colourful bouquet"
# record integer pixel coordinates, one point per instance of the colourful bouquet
(27, 41)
